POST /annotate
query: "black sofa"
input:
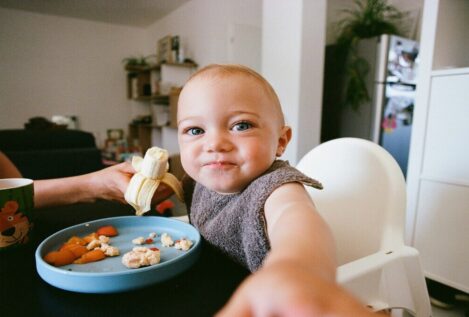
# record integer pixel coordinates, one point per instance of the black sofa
(51, 153)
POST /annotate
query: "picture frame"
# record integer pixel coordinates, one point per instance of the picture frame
(164, 50)
(115, 134)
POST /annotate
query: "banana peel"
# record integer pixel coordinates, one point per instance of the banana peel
(152, 170)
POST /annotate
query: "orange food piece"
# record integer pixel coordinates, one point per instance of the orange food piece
(64, 257)
(91, 256)
(90, 237)
(77, 250)
(59, 258)
(76, 240)
(108, 231)
(50, 257)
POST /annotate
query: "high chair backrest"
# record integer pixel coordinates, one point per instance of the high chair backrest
(364, 196)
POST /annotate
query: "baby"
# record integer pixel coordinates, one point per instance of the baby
(251, 205)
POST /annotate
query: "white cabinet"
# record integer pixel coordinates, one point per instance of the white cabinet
(442, 211)
(446, 153)
(438, 176)
(441, 234)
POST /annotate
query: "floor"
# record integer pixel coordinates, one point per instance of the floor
(458, 300)
(455, 312)
(437, 312)
(445, 294)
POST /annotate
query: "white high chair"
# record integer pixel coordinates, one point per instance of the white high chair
(364, 202)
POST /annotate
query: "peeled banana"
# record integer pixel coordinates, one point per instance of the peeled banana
(151, 171)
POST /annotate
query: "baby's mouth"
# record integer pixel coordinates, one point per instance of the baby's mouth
(219, 164)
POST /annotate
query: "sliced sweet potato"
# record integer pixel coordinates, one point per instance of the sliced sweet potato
(50, 257)
(108, 231)
(59, 258)
(90, 237)
(76, 240)
(64, 257)
(77, 250)
(91, 256)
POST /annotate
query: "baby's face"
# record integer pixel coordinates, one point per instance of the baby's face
(228, 131)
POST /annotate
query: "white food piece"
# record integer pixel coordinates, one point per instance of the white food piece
(183, 244)
(95, 243)
(152, 170)
(104, 239)
(155, 163)
(139, 240)
(109, 250)
(141, 256)
(152, 235)
(166, 240)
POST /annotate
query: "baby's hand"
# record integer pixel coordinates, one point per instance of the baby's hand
(285, 289)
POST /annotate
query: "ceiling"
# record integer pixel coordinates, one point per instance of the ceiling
(138, 13)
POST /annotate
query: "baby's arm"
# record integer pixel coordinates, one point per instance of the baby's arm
(297, 233)
(298, 275)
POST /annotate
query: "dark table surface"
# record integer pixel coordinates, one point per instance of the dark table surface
(200, 291)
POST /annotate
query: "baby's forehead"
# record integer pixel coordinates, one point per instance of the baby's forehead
(213, 77)
(221, 80)
(216, 79)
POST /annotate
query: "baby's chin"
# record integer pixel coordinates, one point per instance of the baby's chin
(223, 189)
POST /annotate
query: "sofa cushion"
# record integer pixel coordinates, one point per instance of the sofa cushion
(15, 140)
(55, 163)
(42, 154)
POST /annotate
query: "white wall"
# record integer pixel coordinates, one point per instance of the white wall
(452, 32)
(57, 65)
(293, 61)
(203, 27)
(54, 65)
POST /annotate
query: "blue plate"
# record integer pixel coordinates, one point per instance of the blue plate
(110, 275)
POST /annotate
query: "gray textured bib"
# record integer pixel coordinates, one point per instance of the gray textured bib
(236, 223)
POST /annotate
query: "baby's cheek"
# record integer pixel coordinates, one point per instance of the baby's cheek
(184, 162)
(188, 164)
(262, 155)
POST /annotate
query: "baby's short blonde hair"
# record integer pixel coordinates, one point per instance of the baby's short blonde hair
(225, 70)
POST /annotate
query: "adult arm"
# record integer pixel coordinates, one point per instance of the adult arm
(7, 168)
(109, 184)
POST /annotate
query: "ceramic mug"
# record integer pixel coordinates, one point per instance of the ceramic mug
(16, 207)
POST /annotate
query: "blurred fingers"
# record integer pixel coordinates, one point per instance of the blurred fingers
(238, 306)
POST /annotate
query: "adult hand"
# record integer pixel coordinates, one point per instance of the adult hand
(111, 183)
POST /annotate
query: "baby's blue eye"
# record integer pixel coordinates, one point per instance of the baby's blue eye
(241, 126)
(195, 131)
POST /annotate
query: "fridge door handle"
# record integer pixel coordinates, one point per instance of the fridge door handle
(377, 111)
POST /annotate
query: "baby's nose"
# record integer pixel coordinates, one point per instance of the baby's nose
(218, 142)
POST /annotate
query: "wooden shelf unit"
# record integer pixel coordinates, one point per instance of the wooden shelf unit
(144, 86)
(143, 81)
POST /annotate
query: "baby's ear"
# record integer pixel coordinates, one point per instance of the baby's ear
(283, 140)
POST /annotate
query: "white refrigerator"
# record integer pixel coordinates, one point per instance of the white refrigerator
(391, 82)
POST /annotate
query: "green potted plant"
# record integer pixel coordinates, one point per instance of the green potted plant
(137, 63)
(134, 62)
(367, 19)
